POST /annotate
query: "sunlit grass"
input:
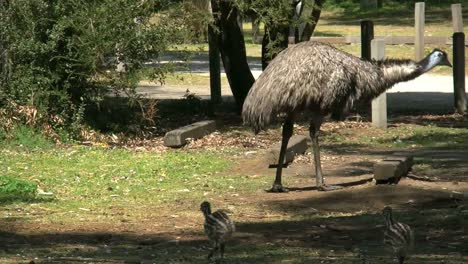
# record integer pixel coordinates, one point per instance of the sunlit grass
(92, 179)
(399, 137)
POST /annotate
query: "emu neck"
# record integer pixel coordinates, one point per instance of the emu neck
(389, 220)
(428, 63)
(206, 212)
(378, 76)
(395, 71)
(400, 71)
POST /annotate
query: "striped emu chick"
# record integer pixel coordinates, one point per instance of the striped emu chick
(398, 235)
(218, 228)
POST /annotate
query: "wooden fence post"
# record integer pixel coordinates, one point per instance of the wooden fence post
(379, 104)
(459, 72)
(419, 27)
(457, 18)
(367, 34)
(215, 66)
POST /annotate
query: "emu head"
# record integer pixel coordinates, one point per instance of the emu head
(436, 58)
(205, 207)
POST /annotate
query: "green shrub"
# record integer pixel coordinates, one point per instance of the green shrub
(59, 56)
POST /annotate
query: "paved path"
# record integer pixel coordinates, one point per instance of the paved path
(428, 93)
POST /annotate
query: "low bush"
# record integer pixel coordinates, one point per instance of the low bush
(58, 58)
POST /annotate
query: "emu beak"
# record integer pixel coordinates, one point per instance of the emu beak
(446, 62)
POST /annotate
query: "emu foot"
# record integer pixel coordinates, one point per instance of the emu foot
(278, 188)
(326, 188)
(210, 256)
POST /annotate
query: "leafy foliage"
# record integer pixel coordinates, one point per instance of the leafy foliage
(276, 14)
(197, 18)
(60, 56)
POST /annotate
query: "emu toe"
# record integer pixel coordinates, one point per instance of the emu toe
(326, 188)
(278, 188)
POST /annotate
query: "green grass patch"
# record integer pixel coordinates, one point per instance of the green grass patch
(398, 137)
(25, 137)
(13, 189)
(99, 179)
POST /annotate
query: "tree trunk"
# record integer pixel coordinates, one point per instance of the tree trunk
(214, 58)
(232, 48)
(310, 27)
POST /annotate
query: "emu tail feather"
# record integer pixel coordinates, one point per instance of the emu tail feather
(255, 117)
(257, 110)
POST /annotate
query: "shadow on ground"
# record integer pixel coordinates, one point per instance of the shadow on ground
(331, 228)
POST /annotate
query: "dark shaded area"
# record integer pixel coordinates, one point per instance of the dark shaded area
(11, 199)
(426, 211)
(448, 165)
(420, 103)
(352, 223)
(346, 184)
(452, 121)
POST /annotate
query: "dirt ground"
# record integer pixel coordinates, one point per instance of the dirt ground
(337, 225)
(302, 226)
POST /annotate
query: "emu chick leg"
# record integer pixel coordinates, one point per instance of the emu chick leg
(222, 246)
(287, 133)
(213, 250)
(401, 260)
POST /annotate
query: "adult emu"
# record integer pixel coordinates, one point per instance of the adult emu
(321, 79)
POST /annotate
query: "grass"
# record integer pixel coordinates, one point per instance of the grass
(98, 178)
(128, 206)
(12, 189)
(398, 137)
(26, 137)
(438, 167)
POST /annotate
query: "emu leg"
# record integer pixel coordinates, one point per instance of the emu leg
(221, 249)
(213, 250)
(401, 260)
(314, 133)
(287, 133)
